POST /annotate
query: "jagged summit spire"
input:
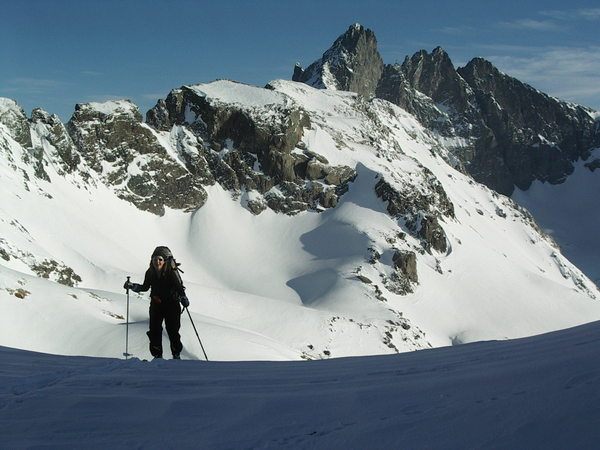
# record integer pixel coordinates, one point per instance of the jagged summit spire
(433, 74)
(356, 29)
(352, 63)
(480, 64)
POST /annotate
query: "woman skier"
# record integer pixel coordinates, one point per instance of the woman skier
(166, 292)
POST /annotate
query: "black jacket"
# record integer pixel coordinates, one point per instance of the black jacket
(166, 285)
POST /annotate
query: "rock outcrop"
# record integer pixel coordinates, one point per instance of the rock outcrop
(255, 149)
(421, 211)
(127, 155)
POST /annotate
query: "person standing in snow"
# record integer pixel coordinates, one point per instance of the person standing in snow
(166, 293)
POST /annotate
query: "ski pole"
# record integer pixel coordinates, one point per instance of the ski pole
(126, 354)
(197, 335)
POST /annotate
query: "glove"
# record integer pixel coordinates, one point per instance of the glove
(133, 286)
(184, 300)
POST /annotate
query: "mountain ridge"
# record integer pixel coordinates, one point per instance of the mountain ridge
(477, 102)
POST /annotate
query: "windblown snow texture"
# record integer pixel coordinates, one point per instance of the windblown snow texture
(539, 392)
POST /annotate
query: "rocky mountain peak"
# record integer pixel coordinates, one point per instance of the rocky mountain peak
(14, 118)
(124, 109)
(352, 63)
(298, 70)
(479, 67)
(439, 52)
(483, 75)
(9, 107)
(434, 75)
(40, 115)
(394, 87)
(54, 146)
(437, 56)
(351, 39)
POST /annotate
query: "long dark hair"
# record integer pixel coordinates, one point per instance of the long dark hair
(165, 253)
(167, 268)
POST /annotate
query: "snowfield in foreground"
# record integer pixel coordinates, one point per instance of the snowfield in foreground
(537, 392)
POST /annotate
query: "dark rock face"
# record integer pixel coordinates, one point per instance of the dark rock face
(538, 136)
(47, 129)
(406, 263)
(298, 72)
(352, 64)
(394, 87)
(420, 211)
(158, 117)
(432, 233)
(403, 279)
(409, 204)
(110, 142)
(515, 134)
(98, 135)
(434, 75)
(269, 143)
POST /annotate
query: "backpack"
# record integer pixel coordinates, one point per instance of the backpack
(175, 268)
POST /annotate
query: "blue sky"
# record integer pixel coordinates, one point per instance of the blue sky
(54, 54)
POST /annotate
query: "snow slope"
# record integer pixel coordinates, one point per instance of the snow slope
(278, 287)
(570, 213)
(537, 392)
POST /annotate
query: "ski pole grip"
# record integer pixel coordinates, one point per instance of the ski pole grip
(128, 283)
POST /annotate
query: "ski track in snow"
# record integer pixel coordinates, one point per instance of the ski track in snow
(537, 392)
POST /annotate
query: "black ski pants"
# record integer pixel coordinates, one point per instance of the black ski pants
(170, 312)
